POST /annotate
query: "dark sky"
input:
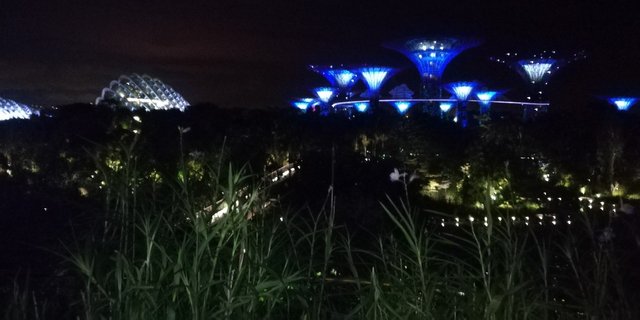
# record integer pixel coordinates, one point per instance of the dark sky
(255, 53)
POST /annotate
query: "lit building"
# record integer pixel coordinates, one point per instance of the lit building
(141, 92)
(10, 109)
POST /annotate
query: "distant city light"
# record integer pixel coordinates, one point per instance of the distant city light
(445, 106)
(10, 109)
(623, 103)
(536, 70)
(374, 77)
(362, 106)
(325, 94)
(402, 106)
(461, 90)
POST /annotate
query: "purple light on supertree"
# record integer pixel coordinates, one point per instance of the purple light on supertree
(622, 103)
(325, 94)
(402, 106)
(431, 56)
(374, 77)
(461, 90)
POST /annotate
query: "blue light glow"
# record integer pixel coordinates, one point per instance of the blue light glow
(445, 106)
(402, 106)
(10, 109)
(303, 103)
(374, 77)
(536, 70)
(343, 78)
(486, 97)
(623, 103)
(432, 55)
(362, 106)
(325, 94)
(461, 90)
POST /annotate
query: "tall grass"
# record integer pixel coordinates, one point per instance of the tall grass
(165, 257)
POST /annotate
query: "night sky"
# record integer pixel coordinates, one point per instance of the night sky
(255, 54)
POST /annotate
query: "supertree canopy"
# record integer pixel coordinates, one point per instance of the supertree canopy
(142, 92)
(461, 90)
(486, 97)
(445, 106)
(338, 77)
(10, 109)
(362, 106)
(402, 106)
(303, 103)
(325, 94)
(536, 70)
(374, 77)
(432, 55)
(622, 103)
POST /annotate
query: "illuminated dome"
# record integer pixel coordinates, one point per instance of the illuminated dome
(142, 92)
(10, 109)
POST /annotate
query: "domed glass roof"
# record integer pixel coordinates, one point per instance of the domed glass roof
(141, 92)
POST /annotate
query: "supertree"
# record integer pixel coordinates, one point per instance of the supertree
(303, 103)
(461, 91)
(325, 94)
(402, 106)
(622, 103)
(444, 107)
(485, 98)
(339, 77)
(431, 57)
(362, 106)
(374, 78)
(536, 71)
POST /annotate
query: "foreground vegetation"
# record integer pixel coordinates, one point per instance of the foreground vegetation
(144, 236)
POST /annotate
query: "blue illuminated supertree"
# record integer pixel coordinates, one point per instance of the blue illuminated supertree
(303, 104)
(402, 106)
(339, 77)
(444, 107)
(461, 90)
(374, 78)
(486, 97)
(622, 103)
(431, 57)
(325, 94)
(362, 106)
